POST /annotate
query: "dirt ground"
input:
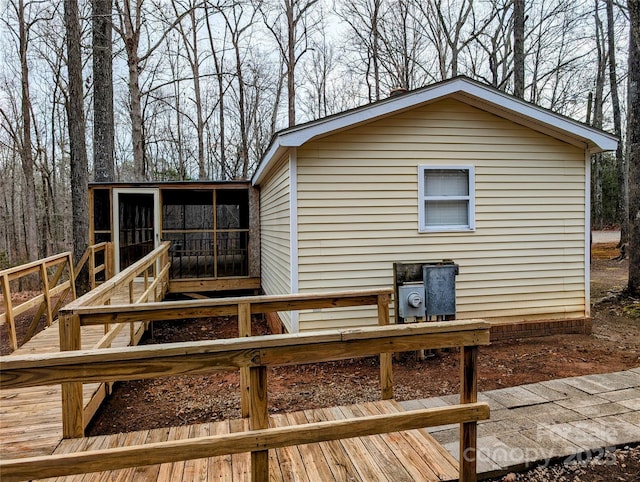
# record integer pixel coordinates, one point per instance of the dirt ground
(613, 345)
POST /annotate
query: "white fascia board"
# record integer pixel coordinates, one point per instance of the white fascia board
(595, 139)
(467, 90)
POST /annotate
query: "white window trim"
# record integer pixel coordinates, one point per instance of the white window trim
(471, 198)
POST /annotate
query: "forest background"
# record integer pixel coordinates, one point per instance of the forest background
(133, 90)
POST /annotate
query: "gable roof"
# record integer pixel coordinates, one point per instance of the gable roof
(461, 88)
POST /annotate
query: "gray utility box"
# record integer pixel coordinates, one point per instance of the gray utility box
(411, 300)
(440, 289)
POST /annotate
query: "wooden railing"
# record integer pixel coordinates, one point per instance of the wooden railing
(152, 270)
(95, 267)
(57, 285)
(255, 354)
(55, 274)
(83, 313)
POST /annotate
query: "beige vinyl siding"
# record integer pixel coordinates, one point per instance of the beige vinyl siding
(275, 233)
(358, 214)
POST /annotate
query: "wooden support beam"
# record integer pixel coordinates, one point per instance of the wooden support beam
(244, 330)
(386, 359)
(468, 430)
(72, 276)
(8, 310)
(259, 419)
(72, 401)
(172, 310)
(43, 306)
(45, 291)
(92, 267)
(230, 354)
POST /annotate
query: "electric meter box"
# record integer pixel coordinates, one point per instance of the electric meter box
(440, 289)
(411, 300)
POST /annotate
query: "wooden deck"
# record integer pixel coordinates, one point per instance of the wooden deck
(31, 418)
(310, 445)
(402, 456)
(30, 425)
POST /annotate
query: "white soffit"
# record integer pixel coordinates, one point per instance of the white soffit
(461, 88)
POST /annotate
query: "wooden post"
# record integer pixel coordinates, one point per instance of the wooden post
(468, 430)
(244, 329)
(259, 419)
(72, 277)
(72, 403)
(108, 261)
(92, 267)
(43, 306)
(45, 292)
(386, 359)
(8, 310)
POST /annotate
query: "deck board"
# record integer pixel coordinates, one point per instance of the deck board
(384, 457)
(31, 418)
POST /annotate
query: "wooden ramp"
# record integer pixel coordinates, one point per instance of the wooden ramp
(31, 418)
(403, 456)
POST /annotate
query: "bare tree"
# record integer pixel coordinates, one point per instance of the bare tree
(23, 134)
(493, 48)
(597, 120)
(78, 150)
(103, 122)
(622, 207)
(451, 26)
(317, 77)
(401, 46)
(131, 22)
(363, 18)
(291, 24)
(238, 23)
(222, 84)
(190, 41)
(633, 126)
(518, 48)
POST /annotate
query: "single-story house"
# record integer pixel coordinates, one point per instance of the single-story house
(457, 170)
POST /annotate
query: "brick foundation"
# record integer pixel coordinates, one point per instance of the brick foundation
(529, 329)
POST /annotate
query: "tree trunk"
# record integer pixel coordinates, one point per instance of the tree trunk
(598, 101)
(242, 112)
(291, 62)
(139, 171)
(129, 30)
(26, 154)
(78, 150)
(218, 63)
(518, 48)
(103, 122)
(633, 123)
(375, 46)
(622, 206)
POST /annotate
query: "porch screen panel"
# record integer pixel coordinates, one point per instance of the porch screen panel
(232, 232)
(101, 215)
(187, 221)
(136, 221)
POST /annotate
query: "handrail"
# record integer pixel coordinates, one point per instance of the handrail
(51, 287)
(90, 255)
(255, 354)
(103, 293)
(75, 315)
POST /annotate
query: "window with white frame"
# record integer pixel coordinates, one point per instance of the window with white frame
(446, 198)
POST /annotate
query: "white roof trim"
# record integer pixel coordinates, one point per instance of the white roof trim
(465, 90)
